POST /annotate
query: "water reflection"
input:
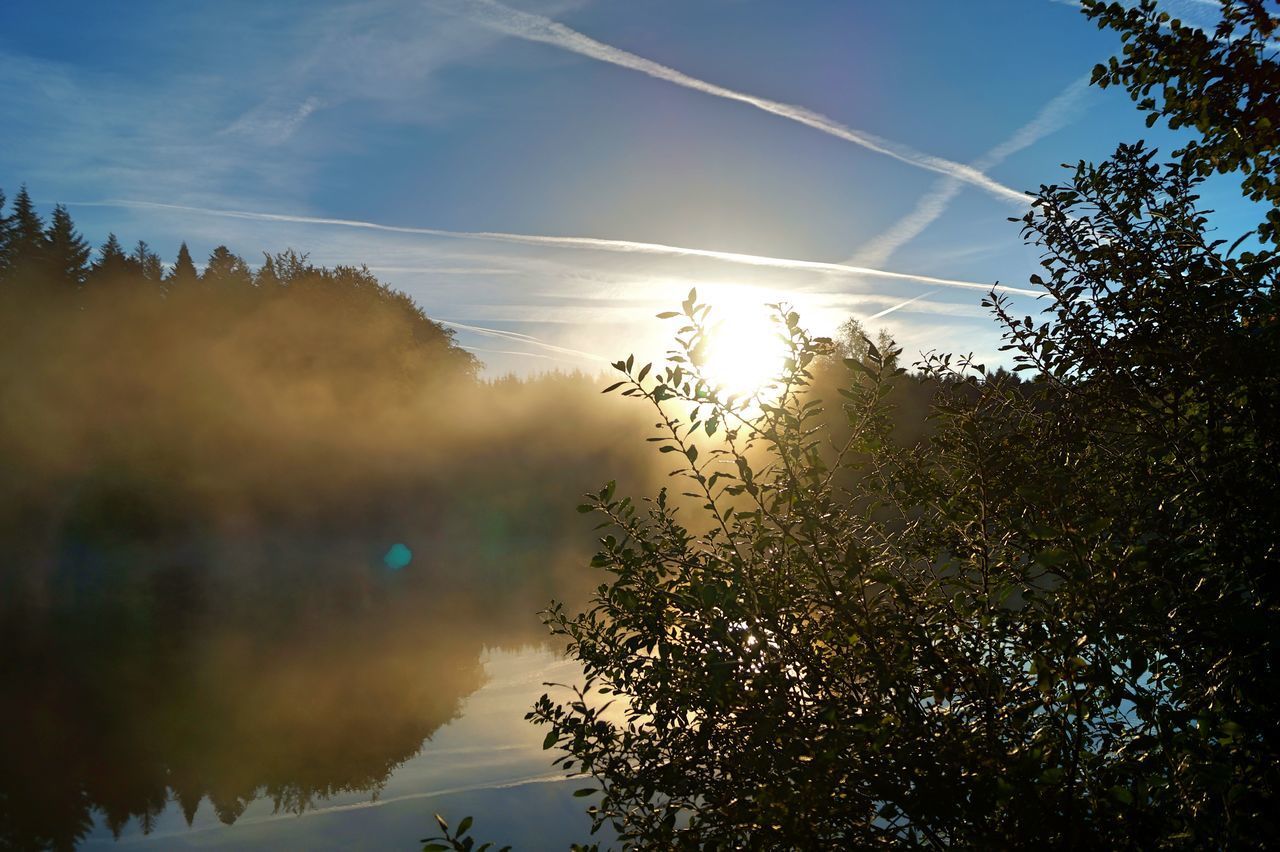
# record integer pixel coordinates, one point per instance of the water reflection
(293, 666)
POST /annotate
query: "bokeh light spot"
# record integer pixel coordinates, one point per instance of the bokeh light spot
(397, 557)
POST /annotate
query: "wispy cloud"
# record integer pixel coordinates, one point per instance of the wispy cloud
(588, 243)
(63, 127)
(273, 123)
(1056, 114)
(224, 123)
(538, 28)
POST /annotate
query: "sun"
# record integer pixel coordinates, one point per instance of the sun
(744, 353)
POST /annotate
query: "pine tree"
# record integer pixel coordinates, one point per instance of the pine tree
(226, 269)
(26, 250)
(267, 277)
(6, 231)
(67, 253)
(148, 262)
(112, 264)
(184, 273)
(291, 267)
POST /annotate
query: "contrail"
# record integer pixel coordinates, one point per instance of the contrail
(352, 806)
(589, 243)
(497, 332)
(511, 352)
(893, 308)
(537, 28)
(444, 270)
(1052, 117)
(522, 338)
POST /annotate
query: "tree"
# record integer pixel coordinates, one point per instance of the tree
(291, 267)
(267, 278)
(184, 275)
(26, 238)
(67, 251)
(113, 266)
(1221, 84)
(6, 237)
(851, 340)
(147, 262)
(225, 269)
(1051, 621)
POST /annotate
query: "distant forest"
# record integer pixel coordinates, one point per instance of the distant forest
(201, 472)
(53, 264)
(155, 401)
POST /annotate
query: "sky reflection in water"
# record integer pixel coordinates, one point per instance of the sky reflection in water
(326, 700)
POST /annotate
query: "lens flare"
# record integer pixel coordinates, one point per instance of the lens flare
(744, 352)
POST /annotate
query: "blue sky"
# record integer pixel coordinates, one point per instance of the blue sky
(888, 136)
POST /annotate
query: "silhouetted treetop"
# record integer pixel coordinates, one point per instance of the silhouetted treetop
(226, 269)
(184, 272)
(112, 264)
(68, 253)
(149, 264)
(327, 314)
(25, 240)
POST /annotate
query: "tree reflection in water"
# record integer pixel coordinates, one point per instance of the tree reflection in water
(283, 666)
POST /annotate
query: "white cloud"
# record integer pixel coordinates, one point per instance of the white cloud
(231, 129)
(271, 123)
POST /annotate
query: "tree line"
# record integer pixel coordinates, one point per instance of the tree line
(54, 258)
(203, 472)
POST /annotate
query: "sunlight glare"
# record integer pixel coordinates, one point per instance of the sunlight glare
(744, 353)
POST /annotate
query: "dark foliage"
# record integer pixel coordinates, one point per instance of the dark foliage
(1223, 85)
(1049, 620)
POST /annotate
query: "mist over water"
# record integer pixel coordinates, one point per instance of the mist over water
(160, 664)
(282, 669)
(269, 548)
(259, 549)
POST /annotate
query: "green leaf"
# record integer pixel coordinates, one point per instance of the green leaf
(1122, 795)
(1052, 557)
(549, 740)
(585, 791)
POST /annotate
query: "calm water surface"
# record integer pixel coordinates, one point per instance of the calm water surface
(487, 762)
(279, 691)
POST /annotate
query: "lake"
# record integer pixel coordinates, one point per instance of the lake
(279, 691)
(487, 762)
